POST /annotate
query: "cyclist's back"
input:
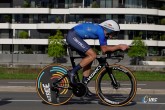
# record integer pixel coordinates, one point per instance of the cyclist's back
(91, 31)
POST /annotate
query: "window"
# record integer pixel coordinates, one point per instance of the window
(6, 49)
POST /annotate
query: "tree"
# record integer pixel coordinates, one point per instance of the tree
(57, 19)
(56, 46)
(23, 34)
(138, 50)
(162, 37)
(162, 8)
(7, 18)
(95, 4)
(26, 4)
(162, 21)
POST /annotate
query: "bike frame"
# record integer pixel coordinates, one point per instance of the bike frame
(102, 64)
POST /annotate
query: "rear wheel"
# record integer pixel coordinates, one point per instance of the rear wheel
(116, 94)
(51, 92)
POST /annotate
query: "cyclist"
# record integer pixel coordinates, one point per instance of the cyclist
(102, 32)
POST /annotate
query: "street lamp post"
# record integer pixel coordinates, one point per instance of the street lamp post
(83, 4)
(12, 59)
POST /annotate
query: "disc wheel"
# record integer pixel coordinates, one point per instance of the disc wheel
(51, 92)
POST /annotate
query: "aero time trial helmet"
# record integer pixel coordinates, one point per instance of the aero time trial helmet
(110, 26)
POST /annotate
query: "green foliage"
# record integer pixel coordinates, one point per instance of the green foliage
(149, 76)
(56, 45)
(57, 20)
(19, 73)
(162, 8)
(95, 4)
(162, 37)
(32, 73)
(97, 50)
(28, 51)
(162, 22)
(138, 49)
(26, 4)
(7, 18)
(23, 34)
(153, 51)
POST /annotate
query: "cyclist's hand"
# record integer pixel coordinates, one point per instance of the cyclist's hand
(123, 46)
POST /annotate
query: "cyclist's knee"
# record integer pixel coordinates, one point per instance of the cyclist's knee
(94, 56)
(91, 54)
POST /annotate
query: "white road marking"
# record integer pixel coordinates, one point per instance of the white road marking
(93, 102)
(34, 82)
(129, 84)
(21, 82)
(137, 84)
(22, 100)
(151, 103)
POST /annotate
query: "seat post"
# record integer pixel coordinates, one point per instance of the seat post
(71, 56)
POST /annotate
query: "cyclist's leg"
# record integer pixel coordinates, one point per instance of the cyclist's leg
(87, 70)
(90, 56)
(81, 46)
(86, 73)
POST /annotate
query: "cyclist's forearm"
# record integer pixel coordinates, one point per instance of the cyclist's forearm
(110, 48)
(113, 48)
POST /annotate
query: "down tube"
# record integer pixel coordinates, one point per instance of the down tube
(96, 70)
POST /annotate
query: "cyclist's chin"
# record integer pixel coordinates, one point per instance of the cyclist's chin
(110, 36)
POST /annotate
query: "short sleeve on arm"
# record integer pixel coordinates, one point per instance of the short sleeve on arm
(101, 36)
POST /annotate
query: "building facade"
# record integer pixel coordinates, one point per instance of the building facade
(39, 19)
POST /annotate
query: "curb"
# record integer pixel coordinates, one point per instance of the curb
(33, 89)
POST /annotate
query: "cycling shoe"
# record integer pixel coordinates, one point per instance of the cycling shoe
(72, 78)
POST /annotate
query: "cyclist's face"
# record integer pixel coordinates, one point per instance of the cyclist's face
(112, 35)
(108, 35)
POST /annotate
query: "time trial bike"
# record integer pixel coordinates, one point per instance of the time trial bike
(115, 84)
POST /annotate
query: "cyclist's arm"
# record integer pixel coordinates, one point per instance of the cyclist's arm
(107, 48)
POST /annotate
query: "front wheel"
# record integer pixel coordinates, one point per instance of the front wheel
(118, 94)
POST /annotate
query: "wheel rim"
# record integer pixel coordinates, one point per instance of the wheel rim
(116, 96)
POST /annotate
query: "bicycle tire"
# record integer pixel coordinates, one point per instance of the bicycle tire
(45, 79)
(116, 96)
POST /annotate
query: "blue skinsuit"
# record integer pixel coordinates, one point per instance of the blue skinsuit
(91, 31)
(85, 31)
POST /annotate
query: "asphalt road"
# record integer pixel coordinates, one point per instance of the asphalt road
(29, 100)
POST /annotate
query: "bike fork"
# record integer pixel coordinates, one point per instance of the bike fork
(113, 79)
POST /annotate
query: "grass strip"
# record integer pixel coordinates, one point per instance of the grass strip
(31, 74)
(149, 76)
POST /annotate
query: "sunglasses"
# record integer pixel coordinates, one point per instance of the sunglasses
(113, 34)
